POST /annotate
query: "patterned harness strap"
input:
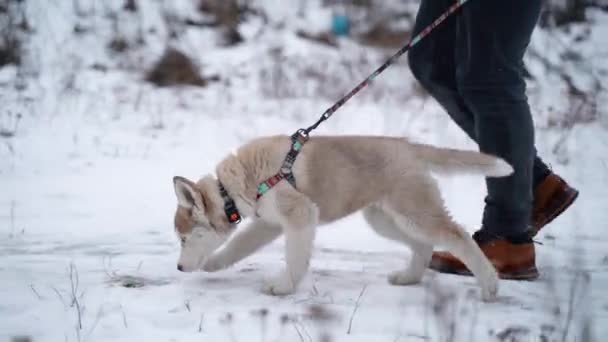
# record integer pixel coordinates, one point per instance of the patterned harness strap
(298, 140)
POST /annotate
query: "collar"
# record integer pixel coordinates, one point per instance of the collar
(232, 213)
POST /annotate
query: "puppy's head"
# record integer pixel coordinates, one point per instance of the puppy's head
(200, 222)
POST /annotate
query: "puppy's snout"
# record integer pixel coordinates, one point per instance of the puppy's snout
(180, 267)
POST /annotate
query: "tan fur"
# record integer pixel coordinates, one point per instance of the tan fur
(183, 221)
(335, 176)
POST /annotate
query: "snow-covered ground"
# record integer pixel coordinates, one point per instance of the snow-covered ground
(87, 248)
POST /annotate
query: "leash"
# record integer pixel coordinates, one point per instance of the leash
(300, 137)
(331, 110)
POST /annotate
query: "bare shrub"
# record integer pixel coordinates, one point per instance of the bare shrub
(175, 68)
(118, 44)
(230, 36)
(175, 26)
(443, 306)
(130, 5)
(9, 123)
(582, 106)
(13, 26)
(227, 14)
(21, 339)
(125, 36)
(563, 12)
(513, 333)
(582, 103)
(322, 317)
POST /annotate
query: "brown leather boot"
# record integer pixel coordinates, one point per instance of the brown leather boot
(551, 198)
(517, 261)
(512, 261)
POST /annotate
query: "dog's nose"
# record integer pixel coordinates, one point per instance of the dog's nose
(180, 267)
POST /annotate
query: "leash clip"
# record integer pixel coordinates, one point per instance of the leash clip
(301, 135)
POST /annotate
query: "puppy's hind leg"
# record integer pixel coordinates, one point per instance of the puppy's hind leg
(458, 242)
(386, 226)
(421, 204)
(299, 217)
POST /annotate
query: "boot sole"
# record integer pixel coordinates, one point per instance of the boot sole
(530, 273)
(561, 203)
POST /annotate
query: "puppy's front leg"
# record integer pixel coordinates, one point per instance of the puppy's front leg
(299, 216)
(245, 242)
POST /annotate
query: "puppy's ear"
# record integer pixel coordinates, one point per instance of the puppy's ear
(188, 196)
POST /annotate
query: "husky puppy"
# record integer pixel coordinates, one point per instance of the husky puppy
(389, 179)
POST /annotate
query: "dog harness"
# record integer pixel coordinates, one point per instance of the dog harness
(298, 140)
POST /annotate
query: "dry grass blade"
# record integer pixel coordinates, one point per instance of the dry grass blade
(295, 326)
(35, 292)
(200, 323)
(357, 303)
(12, 214)
(124, 317)
(75, 301)
(58, 295)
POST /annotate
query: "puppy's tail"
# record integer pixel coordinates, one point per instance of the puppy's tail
(450, 161)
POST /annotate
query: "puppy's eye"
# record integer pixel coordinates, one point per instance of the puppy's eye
(182, 240)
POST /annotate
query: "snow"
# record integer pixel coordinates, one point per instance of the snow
(85, 185)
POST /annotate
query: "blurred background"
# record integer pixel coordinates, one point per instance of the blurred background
(298, 49)
(96, 51)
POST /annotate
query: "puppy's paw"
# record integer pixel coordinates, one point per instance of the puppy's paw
(489, 295)
(404, 277)
(279, 285)
(213, 264)
(489, 290)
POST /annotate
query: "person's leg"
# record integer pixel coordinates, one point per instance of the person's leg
(433, 63)
(492, 37)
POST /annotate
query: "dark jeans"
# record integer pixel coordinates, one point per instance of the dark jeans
(472, 65)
